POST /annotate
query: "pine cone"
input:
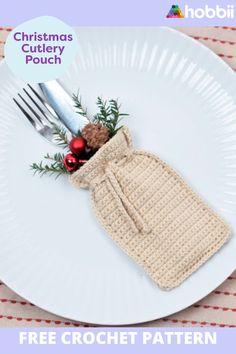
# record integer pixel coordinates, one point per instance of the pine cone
(95, 134)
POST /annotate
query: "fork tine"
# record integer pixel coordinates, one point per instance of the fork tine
(27, 115)
(38, 106)
(39, 115)
(32, 110)
(45, 104)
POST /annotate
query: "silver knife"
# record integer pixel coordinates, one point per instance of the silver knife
(64, 106)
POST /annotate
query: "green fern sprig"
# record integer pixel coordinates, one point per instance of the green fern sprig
(56, 168)
(117, 116)
(57, 157)
(60, 137)
(109, 115)
(78, 105)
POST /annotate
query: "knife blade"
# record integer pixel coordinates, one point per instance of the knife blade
(64, 106)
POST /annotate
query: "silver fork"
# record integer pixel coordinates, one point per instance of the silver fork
(43, 118)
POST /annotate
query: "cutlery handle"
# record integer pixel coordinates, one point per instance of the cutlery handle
(64, 106)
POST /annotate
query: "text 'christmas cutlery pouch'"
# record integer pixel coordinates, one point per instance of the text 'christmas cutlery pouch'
(150, 212)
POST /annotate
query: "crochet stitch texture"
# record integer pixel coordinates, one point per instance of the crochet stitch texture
(150, 212)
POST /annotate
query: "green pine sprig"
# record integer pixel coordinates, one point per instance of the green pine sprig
(109, 115)
(60, 137)
(78, 104)
(56, 167)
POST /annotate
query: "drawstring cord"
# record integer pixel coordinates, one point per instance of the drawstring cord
(136, 221)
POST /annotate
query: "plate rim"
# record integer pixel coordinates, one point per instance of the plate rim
(187, 303)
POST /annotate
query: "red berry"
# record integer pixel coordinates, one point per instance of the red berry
(71, 162)
(77, 145)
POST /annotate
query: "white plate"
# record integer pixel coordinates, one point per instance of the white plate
(182, 104)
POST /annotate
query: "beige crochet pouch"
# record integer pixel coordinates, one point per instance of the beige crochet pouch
(150, 212)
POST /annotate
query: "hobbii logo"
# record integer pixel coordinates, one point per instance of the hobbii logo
(210, 12)
(200, 12)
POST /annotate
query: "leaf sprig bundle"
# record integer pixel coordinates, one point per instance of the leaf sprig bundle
(78, 104)
(56, 167)
(60, 137)
(108, 115)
